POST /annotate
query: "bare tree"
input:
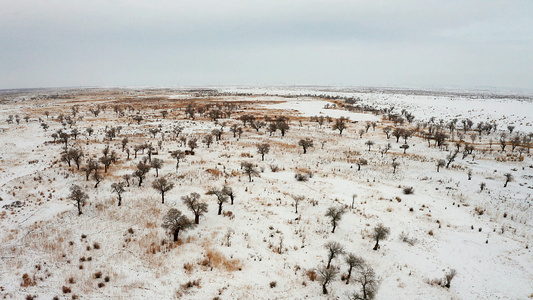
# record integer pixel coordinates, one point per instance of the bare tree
(163, 186)
(175, 222)
(263, 149)
(297, 199)
(404, 147)
(306, 143)
(366, 277)
(340, 125)
(508, 178)
(334, 249)
(335, 215)
(250, 170)
(326, 275)
(361, 162)
(97, 178)
(369, 143)
(208, 140)
(156, 164)
(380, 232)
(387, 130)
(353, 261)
(192, 144)
(142, 170)
(119, 189)
(193, 203)
(450, 158)
(92, 165)
(440, 163)
(395, 165)
(78, 196)
(229, 192)
(221, 198)
(282, 125)
(178, 155)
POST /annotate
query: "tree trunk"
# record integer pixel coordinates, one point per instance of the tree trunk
(119, 200)
(262, 157)
(156, 172)
(334, 226)
(377, 245)
(324, 290)
(349, 275)
(196, 219)
(176, 232)
(163, 197)
(231, 198)
(219, 208)
(79, 208)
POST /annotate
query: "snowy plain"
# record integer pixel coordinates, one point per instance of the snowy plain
(491, 251)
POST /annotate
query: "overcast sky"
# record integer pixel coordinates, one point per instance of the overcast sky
(392, 43)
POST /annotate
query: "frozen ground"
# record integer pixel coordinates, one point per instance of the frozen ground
(484, 235)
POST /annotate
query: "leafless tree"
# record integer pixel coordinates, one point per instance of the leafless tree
(361, 162)
(78, 196)
(229, 192)
(175, 222)
(250, 170)
(380, 232)
(306, 143)
(193, 203)
(142, 170)
(119, 189)
(221, 198)
(387, 130)
(334, 249)
(369, 143)
(451, 158)
(326, 275)
(340, 125)
(178, 155)
(156, 164)
(508, 178)
(353, 261)
(263, 149)
(440, 163)
(162, 185)
(297, 200)
(366, 277)
(335, 215)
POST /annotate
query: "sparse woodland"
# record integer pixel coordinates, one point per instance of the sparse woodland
(207, 194)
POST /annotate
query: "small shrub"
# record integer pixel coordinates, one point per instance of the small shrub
(71, 280)
(408, 190)
(301, 177)
(66, 289)
(27, 280)
(83, 236)
(96, 245)
(188, 267)
(406, 239)
(101, 284)
(191, 283)
(431, 232)
(107, 278)
(273, 284)
(311, 274)
(98, 275)
(274, 168)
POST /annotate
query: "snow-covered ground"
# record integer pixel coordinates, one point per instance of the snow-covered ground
(260, 248)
